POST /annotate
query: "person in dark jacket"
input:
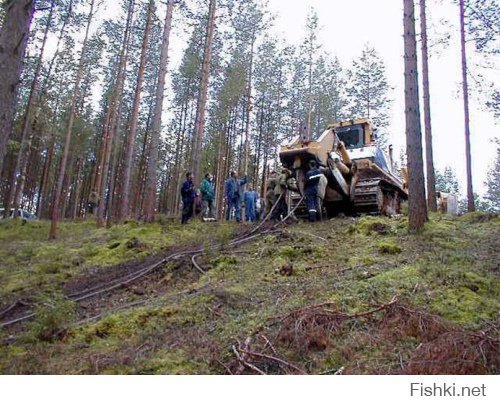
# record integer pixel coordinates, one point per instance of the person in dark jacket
(234, 193)
(207, 189)
(313, 176)
(188, 194)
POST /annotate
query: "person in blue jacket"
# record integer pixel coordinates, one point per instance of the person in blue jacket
(234, 193)
(188, 194)
(250, 198)
(311, 190)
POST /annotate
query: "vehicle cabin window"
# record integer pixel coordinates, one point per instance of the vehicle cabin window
(351, 136)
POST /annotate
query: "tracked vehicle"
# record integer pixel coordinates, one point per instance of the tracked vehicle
(361, 178)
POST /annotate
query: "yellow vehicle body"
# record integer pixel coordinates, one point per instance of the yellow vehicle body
(360, 175)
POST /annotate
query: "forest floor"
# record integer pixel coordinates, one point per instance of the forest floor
(351, 295)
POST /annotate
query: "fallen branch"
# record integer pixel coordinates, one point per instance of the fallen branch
(340, 314)
(226, 367)
(266, 356)
(8, 309)
(268, 343)
(244, 363)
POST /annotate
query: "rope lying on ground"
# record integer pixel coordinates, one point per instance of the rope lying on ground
(130, 278)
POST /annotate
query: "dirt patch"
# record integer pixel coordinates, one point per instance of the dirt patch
(163, 281)
(95, 277)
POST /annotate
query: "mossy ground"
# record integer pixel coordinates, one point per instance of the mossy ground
(30, 264)
(450, 269)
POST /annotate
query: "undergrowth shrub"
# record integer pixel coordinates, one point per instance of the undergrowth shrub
(51, 316)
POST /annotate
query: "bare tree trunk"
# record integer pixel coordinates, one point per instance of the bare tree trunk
(112, 192)
(429, 160)
(199, 125)
(99, 169)
(152, 171)
(248, 108)
(416, 200)
(112, 121)
(43, 190)
(22, 161)
(129, 155)
(465, 88)
(77, 189)
(62, 170)
(219, 179)
(13, 40)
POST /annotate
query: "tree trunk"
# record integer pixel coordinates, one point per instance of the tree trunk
(43, 189)
(62, 170)
(465, 88)
(199, 125)
(112, 122)
(416, 200)
(151, 177)
(77, 189)
(22, 161)
(248, 108)
(429, 160)
(129, 155)
(112, 192)
(14, 35)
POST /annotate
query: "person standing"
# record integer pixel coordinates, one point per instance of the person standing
(313, 176)
(322, 184)
(188, 194)
(281, 193)
(234, 192)
(92, 203)
(207, 189)
(271, 197)
(259, 206)
(250, 198)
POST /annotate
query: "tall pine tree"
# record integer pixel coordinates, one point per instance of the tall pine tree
(368, 91)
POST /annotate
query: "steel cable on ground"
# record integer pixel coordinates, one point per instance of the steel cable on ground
(151, 300)
(76, 297)
(123, 281)
(269, 213)
(129, 278)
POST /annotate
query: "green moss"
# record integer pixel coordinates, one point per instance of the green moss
(28, 260)
(376, 225)
(448, 269)
(289, 252)
(388, 248)
(465, 307)
(122, 325)
(172, 362)
(478, 217)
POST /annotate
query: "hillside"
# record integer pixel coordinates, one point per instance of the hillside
(352, 296)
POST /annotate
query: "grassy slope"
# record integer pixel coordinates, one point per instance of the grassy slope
(449, 270)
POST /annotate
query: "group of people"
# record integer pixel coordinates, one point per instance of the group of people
(205, 196)
(279, 184)
(276, 207)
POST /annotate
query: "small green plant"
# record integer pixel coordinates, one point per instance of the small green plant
(51, 316)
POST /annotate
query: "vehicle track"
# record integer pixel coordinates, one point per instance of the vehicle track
(134, 276)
